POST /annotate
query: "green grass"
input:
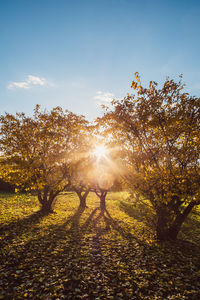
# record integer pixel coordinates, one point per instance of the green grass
(82, 254)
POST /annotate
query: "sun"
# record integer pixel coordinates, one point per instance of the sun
(100, 151)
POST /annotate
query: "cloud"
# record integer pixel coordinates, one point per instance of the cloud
(20, 85)
(28, 82)
(36, 80)
(104, 98)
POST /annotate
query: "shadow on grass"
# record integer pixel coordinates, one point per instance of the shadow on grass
(193, 220)
(54, 253)
(191, 228)
(141, 213)
(75, 220)
(69, 260)
(125, 233)
(14, 229)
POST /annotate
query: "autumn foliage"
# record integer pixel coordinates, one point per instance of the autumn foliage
(38, 151)
(156, 132)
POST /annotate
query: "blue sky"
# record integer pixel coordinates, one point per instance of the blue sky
(78, 54)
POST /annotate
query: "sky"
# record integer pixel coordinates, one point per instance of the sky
(83, 53)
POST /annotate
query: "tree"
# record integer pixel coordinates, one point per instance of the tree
(38, 152)
(81, 164)
(158, 130)
(78, 182)
(103, 171)
(88, 175)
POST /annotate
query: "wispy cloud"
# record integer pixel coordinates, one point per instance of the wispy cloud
(29, 82)
(104, 98)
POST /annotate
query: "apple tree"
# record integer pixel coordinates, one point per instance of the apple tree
(158, 130)
(37, 152)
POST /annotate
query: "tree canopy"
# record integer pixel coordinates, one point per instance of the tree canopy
(38, 152)
(149, 141)
(158, 130)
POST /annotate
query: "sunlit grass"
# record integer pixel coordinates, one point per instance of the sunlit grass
(79, 252)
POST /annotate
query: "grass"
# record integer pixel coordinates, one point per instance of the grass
(82, 254)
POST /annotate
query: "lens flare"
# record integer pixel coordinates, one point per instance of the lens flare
(100, 151)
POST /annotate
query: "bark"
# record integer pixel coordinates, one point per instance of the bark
(161, 226)
(103, 202)
(102, 196)
(176, 226)
(82, 197)
(46, 200)
(83, 202)
(47, 206)
(166, 232)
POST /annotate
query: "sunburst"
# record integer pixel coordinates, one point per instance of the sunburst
(100, 151)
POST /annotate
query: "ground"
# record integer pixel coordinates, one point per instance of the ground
(82, 254)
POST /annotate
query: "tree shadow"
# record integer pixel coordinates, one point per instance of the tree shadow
(89, 220)
(114, 224)
(66, 260)
(190, 229)
(75, 219)
(14, 229)
(142, 213)
(34, 260)
(11, 231)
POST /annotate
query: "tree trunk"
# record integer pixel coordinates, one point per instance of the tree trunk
(46, 200)
(161, 226)
(102, 196)
(47, 206)
(82, 202)
(82, 198)
(103, 201)
(176, 226)
(166, 232)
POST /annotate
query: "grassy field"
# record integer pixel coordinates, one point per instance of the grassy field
(82, 254)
